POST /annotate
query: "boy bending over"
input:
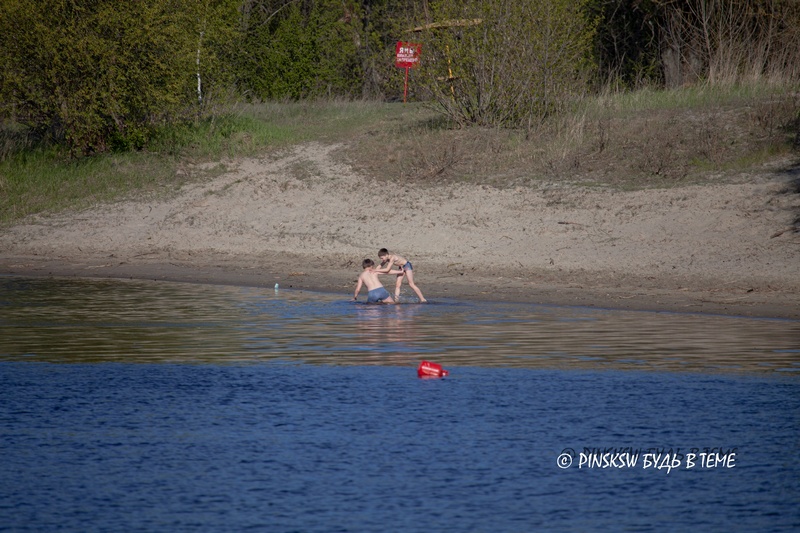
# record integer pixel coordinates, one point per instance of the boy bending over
(369, 277)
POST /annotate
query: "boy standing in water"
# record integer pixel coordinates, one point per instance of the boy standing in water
(390, 260)
(377, 293)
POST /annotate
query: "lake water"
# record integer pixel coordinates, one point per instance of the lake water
(147, 406)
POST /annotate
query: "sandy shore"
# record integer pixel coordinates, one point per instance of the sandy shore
(305, 220)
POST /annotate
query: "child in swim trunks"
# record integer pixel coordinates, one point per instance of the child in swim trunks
(369, 277)
(407, 271)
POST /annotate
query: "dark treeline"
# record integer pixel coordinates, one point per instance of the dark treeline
(678, 42)
(98, 75)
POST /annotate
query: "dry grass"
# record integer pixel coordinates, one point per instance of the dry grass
(624, 141)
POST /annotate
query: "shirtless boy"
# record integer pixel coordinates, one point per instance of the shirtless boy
(369, 277)
(407, 271)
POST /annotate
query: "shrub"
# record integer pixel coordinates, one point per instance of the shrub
(101, 74)
(506, 62)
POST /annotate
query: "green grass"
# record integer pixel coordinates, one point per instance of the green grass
(43, 181)
(228, 135)
(696, 97)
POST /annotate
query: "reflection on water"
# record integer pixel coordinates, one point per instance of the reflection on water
(138, 321)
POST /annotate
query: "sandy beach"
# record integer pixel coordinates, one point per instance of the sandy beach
(731, 248)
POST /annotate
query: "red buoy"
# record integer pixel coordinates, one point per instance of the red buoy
(427, 369)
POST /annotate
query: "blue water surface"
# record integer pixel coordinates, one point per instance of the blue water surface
(293, 429)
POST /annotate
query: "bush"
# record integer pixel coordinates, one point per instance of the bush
(302, 50)
(506, 62)
(102, 74)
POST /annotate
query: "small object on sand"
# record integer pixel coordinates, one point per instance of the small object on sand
(276, 286)
(427, 369)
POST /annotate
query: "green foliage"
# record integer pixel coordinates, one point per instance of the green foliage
(101, 74)
(507, 62)
(299, 49)
(104, 75)
(302, 49)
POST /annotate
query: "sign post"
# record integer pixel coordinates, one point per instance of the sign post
(407, 57)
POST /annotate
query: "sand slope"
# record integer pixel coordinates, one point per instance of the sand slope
(304, 218)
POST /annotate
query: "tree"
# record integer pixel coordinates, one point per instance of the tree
(100, 74)
(727, 41)
(506, 62)
(301, 48)
(312, 48)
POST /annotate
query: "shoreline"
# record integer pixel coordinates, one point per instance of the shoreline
(729, 248)
(535, 288)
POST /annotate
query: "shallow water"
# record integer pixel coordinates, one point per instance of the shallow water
(136, 321)
(129, 405)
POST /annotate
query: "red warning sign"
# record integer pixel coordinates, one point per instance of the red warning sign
(407, 54)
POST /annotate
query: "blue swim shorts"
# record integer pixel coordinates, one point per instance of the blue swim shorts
(377, 295)
(408, 266)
